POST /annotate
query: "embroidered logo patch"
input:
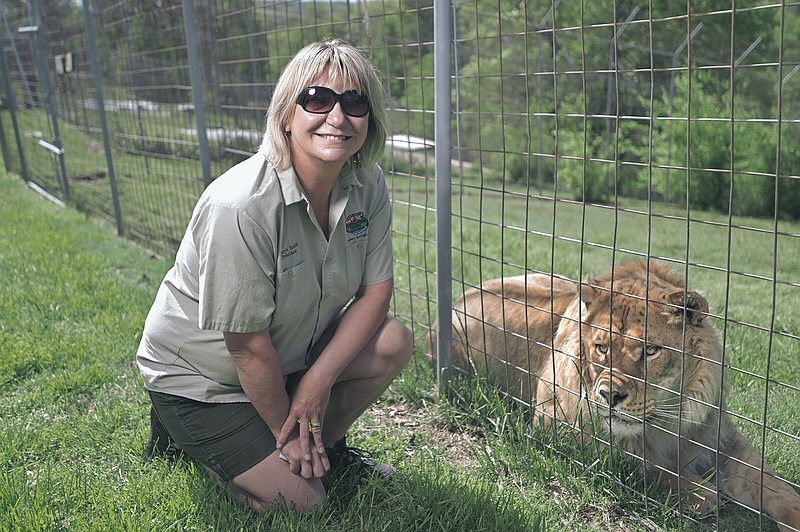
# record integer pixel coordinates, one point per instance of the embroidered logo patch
(356, 224)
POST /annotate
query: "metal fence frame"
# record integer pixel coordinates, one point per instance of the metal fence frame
(47, 66)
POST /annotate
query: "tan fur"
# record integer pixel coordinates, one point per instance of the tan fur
(540, 339)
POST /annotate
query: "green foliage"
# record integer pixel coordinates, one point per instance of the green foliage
(580, 178)
(705, 143)
(572, 106)
(504, 98)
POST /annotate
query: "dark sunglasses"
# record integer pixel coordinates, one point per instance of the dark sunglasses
(320, 100)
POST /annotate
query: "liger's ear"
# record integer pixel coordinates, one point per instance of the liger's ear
(695, 309)
(589, 292)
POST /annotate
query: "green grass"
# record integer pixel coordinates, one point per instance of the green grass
(158, 179)
(499, 231)
(73, 410)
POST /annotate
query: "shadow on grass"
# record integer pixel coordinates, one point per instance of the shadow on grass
(424, 495)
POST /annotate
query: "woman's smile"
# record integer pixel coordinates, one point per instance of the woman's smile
(326, 139)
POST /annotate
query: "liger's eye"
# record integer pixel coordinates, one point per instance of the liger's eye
(601, 348)
(652, 350)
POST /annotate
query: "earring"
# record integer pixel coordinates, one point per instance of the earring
(287, 134)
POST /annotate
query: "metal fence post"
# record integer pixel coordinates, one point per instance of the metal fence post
(444, 259)
(41, 52)
(4, 146)
(101, 109)
(196, 75)
(12, 106)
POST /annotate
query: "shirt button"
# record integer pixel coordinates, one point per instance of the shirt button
(325, 296)
(328, 260)
(291, 274)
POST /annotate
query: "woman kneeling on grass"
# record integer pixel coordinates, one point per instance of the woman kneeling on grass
(270, 335)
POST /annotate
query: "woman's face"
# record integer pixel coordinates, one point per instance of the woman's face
(320, 140)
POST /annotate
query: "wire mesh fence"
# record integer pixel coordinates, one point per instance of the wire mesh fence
(584, 134)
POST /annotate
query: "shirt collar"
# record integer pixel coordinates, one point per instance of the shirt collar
(348, 178)
(290, 186)
(293, 192)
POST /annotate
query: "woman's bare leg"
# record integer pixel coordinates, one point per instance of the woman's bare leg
(366, 378)
(270, 483)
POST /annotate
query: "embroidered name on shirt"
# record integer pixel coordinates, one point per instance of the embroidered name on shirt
(291, 250)
(356, 224)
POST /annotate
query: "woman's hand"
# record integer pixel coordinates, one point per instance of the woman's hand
(295, 456)
(305, 418)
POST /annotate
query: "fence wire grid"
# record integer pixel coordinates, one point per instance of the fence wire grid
(583, 134)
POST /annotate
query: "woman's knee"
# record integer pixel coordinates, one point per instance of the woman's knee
(270, 485)
(398, 342)
(303, 501)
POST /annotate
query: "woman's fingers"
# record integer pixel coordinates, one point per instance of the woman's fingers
(320, 464)
(323, 457)
(304, 437)
(307, 469)
(316, 432)
(286, 431)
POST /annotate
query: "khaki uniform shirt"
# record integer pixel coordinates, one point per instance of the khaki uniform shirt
(254, 257)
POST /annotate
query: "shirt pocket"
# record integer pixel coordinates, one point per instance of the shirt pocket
(296, 286)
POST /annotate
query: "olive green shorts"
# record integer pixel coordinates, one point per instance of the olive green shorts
(229, 438)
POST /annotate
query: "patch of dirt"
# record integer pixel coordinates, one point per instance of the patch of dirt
(420, 425)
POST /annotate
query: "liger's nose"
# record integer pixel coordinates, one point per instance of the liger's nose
(613, 397)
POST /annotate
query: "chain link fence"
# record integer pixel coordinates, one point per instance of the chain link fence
(582, 134)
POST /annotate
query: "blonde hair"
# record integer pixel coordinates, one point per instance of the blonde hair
(340, 60)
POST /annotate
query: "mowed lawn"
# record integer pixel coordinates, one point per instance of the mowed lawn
(74, 412)
(73, 298)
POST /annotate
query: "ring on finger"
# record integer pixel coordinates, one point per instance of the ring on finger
(314, 425)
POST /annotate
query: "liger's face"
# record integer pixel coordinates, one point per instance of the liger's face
(633, 365)
(328, 138)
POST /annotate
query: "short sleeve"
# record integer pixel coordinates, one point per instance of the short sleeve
(379, 259)
(236, 270)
